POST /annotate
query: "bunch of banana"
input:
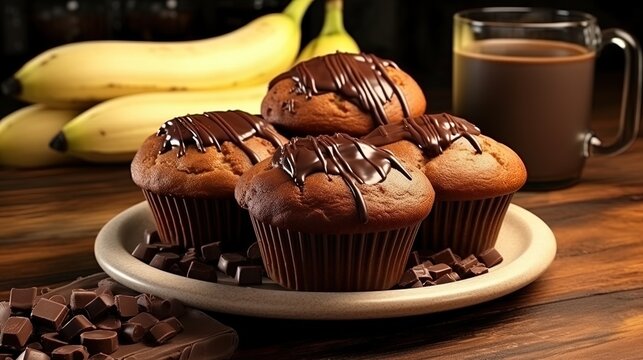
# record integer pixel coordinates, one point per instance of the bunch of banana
(25, 134)
(79, 74)
(333, 36)
(113, 131)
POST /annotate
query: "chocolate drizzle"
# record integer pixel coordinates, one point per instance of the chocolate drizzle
(213, 129)
(431, 133)
(340, 154)
(360, 78)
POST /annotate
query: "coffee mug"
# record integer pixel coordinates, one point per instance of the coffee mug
(525, 77)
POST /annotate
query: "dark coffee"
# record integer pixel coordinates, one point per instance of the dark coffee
(532, 95)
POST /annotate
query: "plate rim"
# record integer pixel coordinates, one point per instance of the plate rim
(118, 263)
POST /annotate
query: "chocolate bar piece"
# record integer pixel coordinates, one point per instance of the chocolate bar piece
(445, 256)
(248, 275)
(161, 308)
(33, 354)
(211, 252)
(132, 333)
(438, 270)
(145, 252)
(16, 332)
(79, 298)
(70, 352)
(164, 260)
(490, 257)
(22, 299)
(98, 341)
(109, 323)
(51, 341)
(59, 299)
(126, 306)
(174, 323)
(74, 327)
(447, 278)
(162, 332)
(146, 320)
(99, 306)
(201, 271)
(49, 314)
(228, 263)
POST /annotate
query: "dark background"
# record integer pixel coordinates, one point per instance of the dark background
(414, 33)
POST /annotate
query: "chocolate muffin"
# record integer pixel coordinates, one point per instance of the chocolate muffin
(474, 178)
(349, 93)
(188, 171)
(332, 213)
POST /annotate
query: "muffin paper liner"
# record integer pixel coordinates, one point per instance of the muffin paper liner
(467, 227)
(193, 222)
(334, 262)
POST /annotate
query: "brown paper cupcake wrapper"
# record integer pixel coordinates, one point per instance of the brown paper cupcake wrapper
(192, 222)
(334, 262)
(467, 227)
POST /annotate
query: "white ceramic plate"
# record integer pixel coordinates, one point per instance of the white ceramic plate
(526, 243)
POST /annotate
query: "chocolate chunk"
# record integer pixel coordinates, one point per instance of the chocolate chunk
(35, 345)
(22, 299)
(445, 256)
(74, 327)
(161, 308)
(152, 237)
(423, 274)
(126, 306)
(409, 278)
(98, 341)
(164, 260)
(211, 252)
(228, 262)
(162, 332)
(254, 253)
(33, 354)
(51, 341)
(101, 356)
(99, 306)
(447, 278)
(109, 323)
(59, 299)
(16, 332)
(132, 333)
(437, 270)
(144, 303)
(177, 308)
(490, 257)
(201, 271)
(248, 275)
(187, 260)
(465, 264)
(70, 352)
(145, 252)
(146, 320)
(79, 298)
(427, 263)
(49, 314)
(475, 271)
(414, 260)
(174, 323)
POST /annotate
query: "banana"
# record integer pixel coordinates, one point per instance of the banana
(112, 131)
(25, 135)
(333, 36)
(89, 72)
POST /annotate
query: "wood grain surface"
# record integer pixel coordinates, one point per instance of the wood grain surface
(588, 305)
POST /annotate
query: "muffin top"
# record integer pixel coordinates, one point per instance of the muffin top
(334, 184)
(460, 162)
(350, 93)
(203, 155)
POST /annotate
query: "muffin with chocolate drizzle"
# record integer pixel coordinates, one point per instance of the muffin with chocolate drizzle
(188, 171)
(349, 93)
(332, 213)
(474, 178)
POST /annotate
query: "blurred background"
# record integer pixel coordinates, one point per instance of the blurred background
(414, 33)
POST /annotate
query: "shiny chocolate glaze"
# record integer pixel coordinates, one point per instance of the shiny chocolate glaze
(431, 133)
(339, 154)
(358, 78)
(213, 129)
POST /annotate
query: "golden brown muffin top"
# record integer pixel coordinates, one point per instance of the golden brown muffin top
(342, 92)
(334, 184)
(203, 155)
(461, 163)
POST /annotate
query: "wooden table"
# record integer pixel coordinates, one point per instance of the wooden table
(589, 303)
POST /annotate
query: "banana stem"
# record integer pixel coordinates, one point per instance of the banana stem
(296, 9)
(333, 18)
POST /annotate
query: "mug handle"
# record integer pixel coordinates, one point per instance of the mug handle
(631, 102)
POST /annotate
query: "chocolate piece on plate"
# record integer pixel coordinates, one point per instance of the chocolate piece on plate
(49, 314)
(162, 332)
(438, 270)
(109, 323)
(145, 252)
(201, 271)
(228, 262)
(146, 320)
(144, 302)
(98, 307)
(476, 270)
(132, 333)
(490, 257)
(211, 252)
(447, 278)
(152, 237)
(33, 354)
(174, 323)
(445, 256)
(164, 260)
(248, 275)
(22, 299)
(161, 308)
(79, 298)
(70, 352)
(59, 299)
(51, 341)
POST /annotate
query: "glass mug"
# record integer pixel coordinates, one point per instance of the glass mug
(525, 77)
